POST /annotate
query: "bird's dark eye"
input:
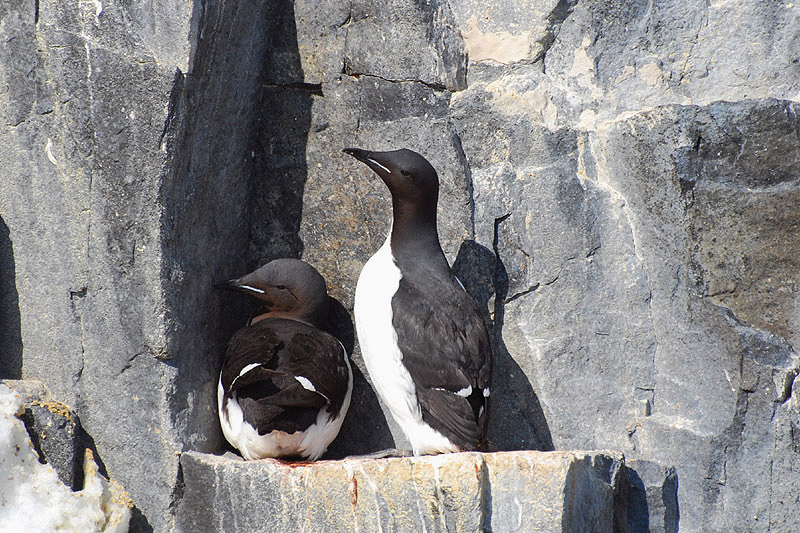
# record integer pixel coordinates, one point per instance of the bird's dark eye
(405, 173)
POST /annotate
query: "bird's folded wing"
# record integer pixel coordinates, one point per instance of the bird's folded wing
(446, 350)
(320, 358)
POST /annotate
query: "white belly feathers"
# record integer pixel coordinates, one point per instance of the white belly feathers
(377, 284)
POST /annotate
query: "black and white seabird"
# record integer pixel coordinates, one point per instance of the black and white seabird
(424, 343)
(285, 384)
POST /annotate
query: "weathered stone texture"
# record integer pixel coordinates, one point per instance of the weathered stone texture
(652, 497)
(523, 491)
(83, 112)
(98, 195)
(405, 41)
(620, 194)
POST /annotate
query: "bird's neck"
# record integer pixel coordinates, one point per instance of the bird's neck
(414, 234)
(315, 319)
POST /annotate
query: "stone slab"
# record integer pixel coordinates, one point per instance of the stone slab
(502, 491)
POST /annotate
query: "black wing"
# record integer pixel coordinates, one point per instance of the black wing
(270, 396)
(446, 349)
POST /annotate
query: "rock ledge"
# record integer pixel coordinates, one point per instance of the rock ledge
(502, 491)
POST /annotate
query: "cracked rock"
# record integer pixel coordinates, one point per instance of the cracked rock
(619, 194)
(401, 41)
(522, 491)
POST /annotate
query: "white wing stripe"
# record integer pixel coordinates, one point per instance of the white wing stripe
(306, 383)
(244, 371)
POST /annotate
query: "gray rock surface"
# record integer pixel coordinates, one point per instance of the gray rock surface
(652, 497)
(620, 193)
(84, 109)
(522, 491)
(105, 164)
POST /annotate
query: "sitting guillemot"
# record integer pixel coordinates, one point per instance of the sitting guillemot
(285, 385)
(424, 343)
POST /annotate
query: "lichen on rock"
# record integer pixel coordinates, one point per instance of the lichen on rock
(32, 498)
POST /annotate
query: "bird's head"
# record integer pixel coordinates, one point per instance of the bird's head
(410, 177)
(289, 288)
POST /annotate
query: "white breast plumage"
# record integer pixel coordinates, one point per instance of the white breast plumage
(377, 284)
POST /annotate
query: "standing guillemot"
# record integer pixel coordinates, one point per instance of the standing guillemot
(424, 343)
(285, 384)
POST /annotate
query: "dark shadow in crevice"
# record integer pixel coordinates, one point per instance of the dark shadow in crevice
(516, 419)
(236, 133)
(139, 522)
(279, 173)
(652, 497)
(10, 326)
(638, 514)
(241, 120)
(341, 325)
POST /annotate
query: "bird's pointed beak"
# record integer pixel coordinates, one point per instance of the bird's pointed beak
(228, 285)
(358, 153)
(371, 159)
(239, 286)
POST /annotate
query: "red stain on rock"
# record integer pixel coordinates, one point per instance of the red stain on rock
(295, 464)
(353, 492)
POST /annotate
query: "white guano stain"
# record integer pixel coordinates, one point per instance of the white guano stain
(98, 8)
(48, 149)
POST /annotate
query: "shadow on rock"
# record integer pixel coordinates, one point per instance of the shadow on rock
(516, 420)
(365, 429)
(236, 200)
(10, 332)
(652, 497)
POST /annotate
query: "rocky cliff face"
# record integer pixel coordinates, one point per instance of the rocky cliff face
(620, 193)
